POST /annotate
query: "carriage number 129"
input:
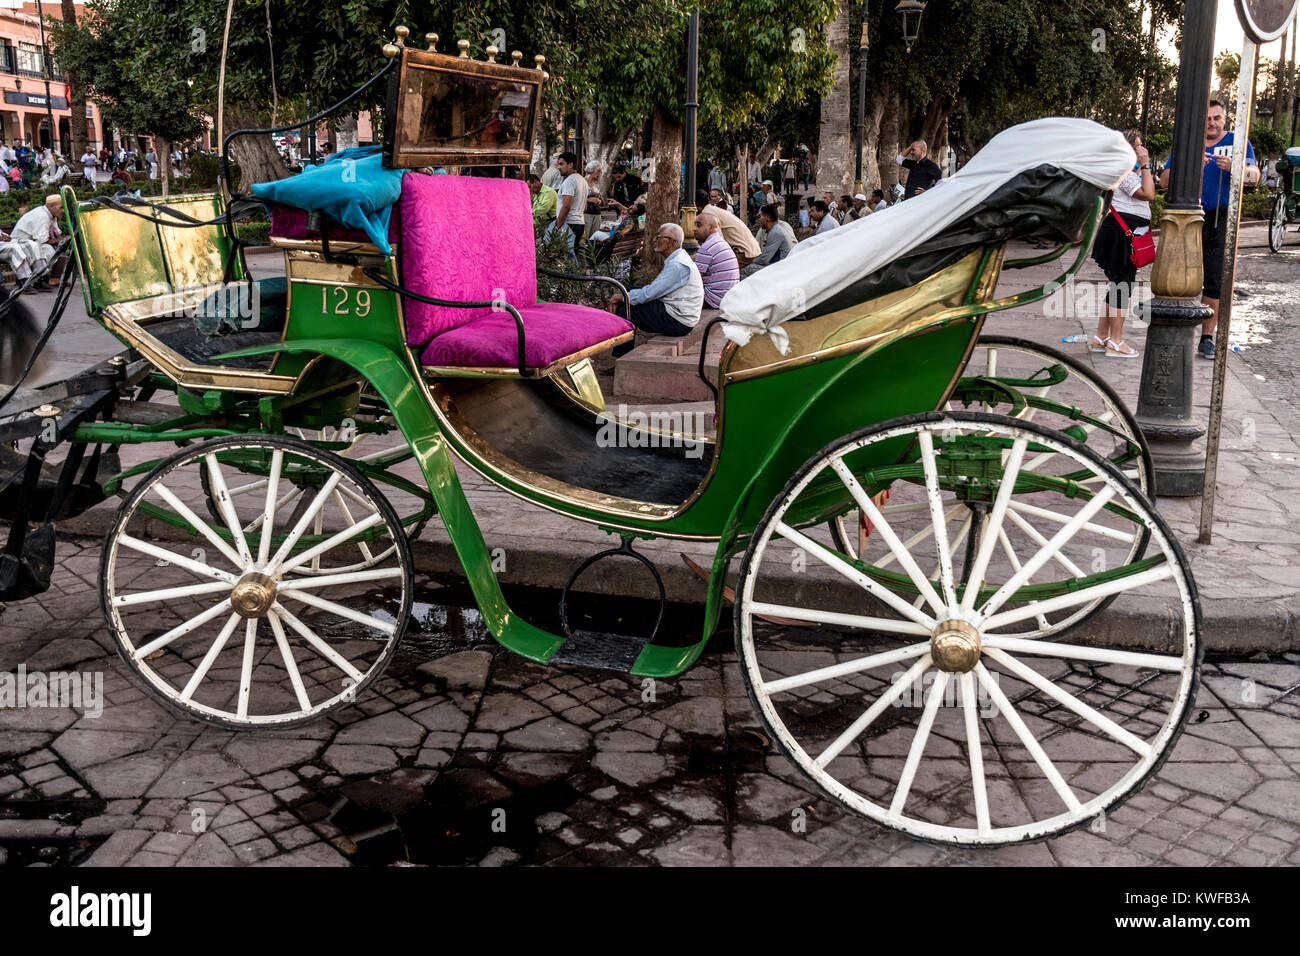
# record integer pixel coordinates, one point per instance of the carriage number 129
(337, 300)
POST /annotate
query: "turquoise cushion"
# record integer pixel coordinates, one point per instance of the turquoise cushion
(351, 187)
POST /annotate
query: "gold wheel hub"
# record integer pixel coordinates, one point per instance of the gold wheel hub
(955, 646)
(253, 595)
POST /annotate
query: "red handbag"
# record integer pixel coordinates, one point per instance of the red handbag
(1144, 247)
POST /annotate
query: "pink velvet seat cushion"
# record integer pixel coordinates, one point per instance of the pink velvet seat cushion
(552, 331)
(467, 238)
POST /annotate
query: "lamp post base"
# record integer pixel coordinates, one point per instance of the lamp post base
(1164, 409)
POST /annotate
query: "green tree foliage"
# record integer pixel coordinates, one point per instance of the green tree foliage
(1267, 140)
(133, 61)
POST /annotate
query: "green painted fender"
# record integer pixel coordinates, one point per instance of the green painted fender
(392, 379)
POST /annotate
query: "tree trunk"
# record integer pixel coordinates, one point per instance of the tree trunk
(662, 204)
(347, 135)
(256, 155)
(742, 163)
(764, 153)
(935, 115)
(540, 157)
(76, 98)
(163, 150)
(1289, 105)
(890, 135)
(835, 161)
(871, 140)
(1279, 85)
(603, 144)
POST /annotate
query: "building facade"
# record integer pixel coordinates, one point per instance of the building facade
(26, 110)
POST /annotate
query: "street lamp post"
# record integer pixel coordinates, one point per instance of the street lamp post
(689, 129)
(1164, 409)
(45, 70)
(910, 11)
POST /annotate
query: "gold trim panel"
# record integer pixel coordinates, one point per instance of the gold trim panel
(351, 247)
(860, 327)
(128, 320)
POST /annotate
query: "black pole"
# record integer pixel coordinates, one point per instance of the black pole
(1164, 407)
(577, 141)
(45, 70)
(858, 185)
(1193, 99)
(1146, 76)
(692, 103)
(1295, 114)
(688, 131)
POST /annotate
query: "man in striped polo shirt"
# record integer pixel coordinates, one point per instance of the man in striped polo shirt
(715, 260)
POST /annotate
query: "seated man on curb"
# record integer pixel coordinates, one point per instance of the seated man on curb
(776, 237)
(821, 217)
(714, 260)
(670, 305)
(734, 232)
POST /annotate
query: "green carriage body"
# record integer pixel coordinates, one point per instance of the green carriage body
(899, 354)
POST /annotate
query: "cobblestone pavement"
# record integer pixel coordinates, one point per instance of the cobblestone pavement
(1266, 314)
(465, 754)
(1248, 577)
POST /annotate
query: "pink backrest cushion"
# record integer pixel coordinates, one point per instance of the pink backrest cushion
(467, 238)
(290, 222)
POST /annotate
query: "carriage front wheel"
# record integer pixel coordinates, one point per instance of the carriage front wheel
(260, 616)
(1277, 223)
(943, 703)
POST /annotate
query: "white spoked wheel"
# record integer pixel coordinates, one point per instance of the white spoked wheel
(260, 618)
(1055, 390)
(925, 687)
(371, 452)
(1277, 223)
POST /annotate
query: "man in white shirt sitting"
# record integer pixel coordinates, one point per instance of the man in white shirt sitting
(671, 304)
(31, 244)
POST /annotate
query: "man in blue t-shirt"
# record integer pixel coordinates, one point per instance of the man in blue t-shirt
(1215, 182)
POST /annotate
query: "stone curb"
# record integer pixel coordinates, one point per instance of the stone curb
(1229, 625)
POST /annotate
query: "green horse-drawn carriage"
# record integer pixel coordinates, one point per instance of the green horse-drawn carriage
(929, 523)
(1284, 210)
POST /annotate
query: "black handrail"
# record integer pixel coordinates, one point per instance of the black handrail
(377, 276)
(704, 347)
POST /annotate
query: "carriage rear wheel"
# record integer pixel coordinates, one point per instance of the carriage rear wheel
(264, 616)
(945, 704)
(1036, 383)
(1277, 223)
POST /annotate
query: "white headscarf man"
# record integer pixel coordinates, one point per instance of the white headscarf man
(31, 244)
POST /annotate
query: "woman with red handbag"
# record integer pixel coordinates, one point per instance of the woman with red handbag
(1123, 246)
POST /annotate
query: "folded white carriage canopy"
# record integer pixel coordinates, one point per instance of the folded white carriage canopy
(827, 264)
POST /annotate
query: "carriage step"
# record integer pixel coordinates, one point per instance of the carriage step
(610, 652)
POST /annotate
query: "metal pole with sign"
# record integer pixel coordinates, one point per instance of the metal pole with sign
(1261, 21)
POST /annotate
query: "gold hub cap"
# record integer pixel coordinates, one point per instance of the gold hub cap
(253, 595)
(955, 646)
